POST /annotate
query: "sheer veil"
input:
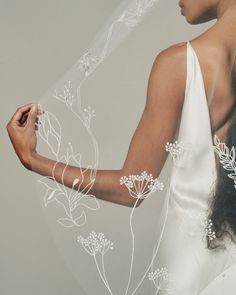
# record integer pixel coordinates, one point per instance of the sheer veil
(109, 248)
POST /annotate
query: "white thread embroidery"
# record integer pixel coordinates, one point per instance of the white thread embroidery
(65, 96)
(97, 243)
(209, 232)
(176, 149)
(76, 197)
(139, 187)
(50, 131)
(161, 279)
(132, 16)
(87, 63)
(227, 157)
(144, 187)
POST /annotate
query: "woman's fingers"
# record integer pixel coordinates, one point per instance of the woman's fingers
(22, 113)
(17, 117)
(32, 117)
(37, 123)
(24, 118)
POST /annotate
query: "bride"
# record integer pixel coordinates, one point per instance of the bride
(211, 69)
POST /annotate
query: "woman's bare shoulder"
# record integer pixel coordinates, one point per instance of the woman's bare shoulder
(172, 56)
(169, 69)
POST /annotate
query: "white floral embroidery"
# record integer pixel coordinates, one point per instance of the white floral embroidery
(176, 149)
(197, 224)
(132, 16)
(65, 96)
(76, 197)
(87, 63)
(144, 181)
(209, 232)
(161, 279)
(227, 157)
(90, 113)
(70, 92)
(50, 131)
(97, 243)
(139, 186)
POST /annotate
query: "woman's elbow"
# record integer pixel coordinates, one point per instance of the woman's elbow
(129, 201)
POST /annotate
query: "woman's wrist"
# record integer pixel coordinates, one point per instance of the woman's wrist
(29, 160)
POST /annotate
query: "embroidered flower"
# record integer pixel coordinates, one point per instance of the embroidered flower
(209, 232)
(87, 63)
(176, 149)
(160, 278)
(95, 243)
(141, 186)
(131, 16)
(66, 95)
(227, 157)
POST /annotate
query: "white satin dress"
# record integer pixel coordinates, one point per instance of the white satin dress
(192, 268)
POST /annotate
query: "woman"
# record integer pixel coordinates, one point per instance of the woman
(167, 106)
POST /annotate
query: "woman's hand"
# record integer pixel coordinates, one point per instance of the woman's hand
(21, 130)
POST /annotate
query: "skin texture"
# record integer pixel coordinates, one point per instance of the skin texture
(164, 101)
(201, 11)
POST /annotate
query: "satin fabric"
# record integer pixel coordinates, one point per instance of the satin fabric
(193, 269)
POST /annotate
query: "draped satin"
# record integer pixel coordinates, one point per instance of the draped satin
(194, 269)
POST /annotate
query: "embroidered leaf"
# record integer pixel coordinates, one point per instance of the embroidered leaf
(44, 180)
(81, 220)
(232, 175)
(89, 201)
(66, 222)
(75, 181)
(228, 167)
(232, 153)
(49, 196)
(46, 125)
(53, 143)
(55, 126)
(63, 201)
(216, 140)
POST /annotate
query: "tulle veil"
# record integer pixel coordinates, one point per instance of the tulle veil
(109, 248)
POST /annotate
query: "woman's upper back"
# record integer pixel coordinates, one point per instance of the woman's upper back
(216, 52)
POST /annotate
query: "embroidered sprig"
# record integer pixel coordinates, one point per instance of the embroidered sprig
(87, 63)
(227, 157)
(175, 149)
(132, 16)
(97, 243)
(140, 186)
(66, 96)
(160, 278)
(209, 232)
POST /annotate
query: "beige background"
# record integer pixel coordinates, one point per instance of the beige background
(39, 41)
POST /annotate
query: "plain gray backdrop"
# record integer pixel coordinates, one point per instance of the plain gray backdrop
(39, 41)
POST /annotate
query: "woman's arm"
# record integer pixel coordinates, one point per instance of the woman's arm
(146, 152)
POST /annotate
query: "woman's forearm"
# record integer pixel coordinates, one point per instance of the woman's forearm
(106, 185)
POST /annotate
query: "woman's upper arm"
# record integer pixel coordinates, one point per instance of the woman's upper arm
(162, 112)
